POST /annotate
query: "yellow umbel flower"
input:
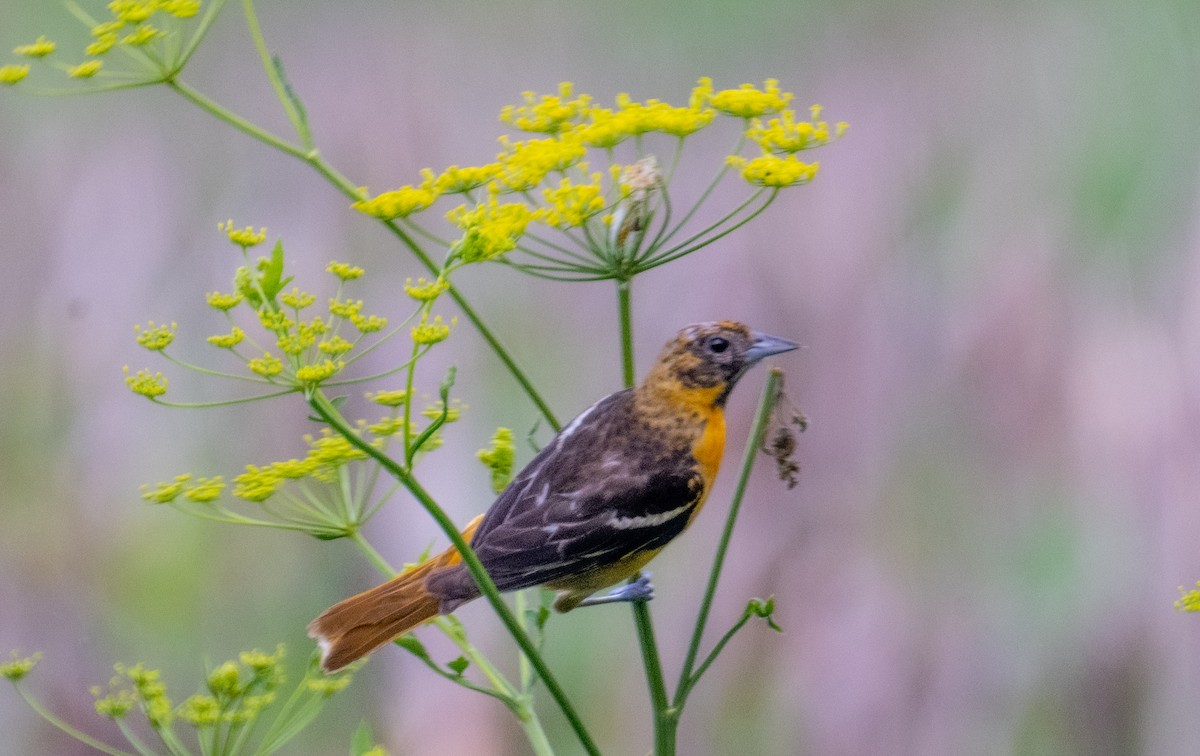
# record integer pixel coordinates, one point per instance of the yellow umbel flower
(132, 11)
(205, 489)
(654, 115)
(329, 450)
(499, 458)
(165, 493)
(180, 8)
(425, 291)
(297, 299)
(322, 371)
(40, 48)
(525, 164)
(108, 27)
(102, 45)
(276, 321)
(335, 345)
(115, 705)
(774, 171)
(572, 204)
(748, 101)
(369, 323)
(1189, 601)
(605, 128)
(243, 237)
(491, 229)
(223, 302)
(155, 337)
(431, 332)
(266, 366)
(453, 412)
(12, 74)
(256, 484)
(142, 35)
(146, 383)
(456, 180)
(85, 70)
(786, 134)
(548, 114)
(344, 271)
(393, 398)
(398, 203)
(19, 667)
(345, 308)
(295, 343)
(228, 340)
(387, 426)
(200, 711)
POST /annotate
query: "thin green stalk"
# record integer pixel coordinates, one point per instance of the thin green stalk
(330, 415)
(82, 737)
(753, 442)
(664, 732)
(625, 313)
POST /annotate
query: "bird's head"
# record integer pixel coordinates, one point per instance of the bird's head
(705, 360)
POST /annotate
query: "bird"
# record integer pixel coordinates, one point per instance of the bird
(591, 509)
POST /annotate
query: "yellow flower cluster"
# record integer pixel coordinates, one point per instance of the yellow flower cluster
(243, 237)
(325, 454)
(297, 299)
(491, 229)
(425, 291)
(318, 372)
(155, 337)
(228, 340)
(572, 204)
(11, 74)
(393, 398)
(344, 271)
(223, 302)
(747, 101)
(499, 458)
(524, 164)
(266, 366)
(548, 114)
(398, 203)
(431, 331)
(38, 49)
(85, 70)
(164, 493)
(773, 171)
(1189, 601)
(456, 180)
(18, 667)
(786, 134)
(145, 383)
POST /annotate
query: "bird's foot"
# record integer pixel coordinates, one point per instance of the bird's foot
(640, 589)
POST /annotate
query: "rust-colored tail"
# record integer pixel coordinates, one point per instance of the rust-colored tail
(351, 629)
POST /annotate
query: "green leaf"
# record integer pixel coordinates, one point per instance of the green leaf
(362, 740)
(413, 646)
(271, 272)
(459, 665)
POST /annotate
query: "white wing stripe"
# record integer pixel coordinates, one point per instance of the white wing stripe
(646, 521)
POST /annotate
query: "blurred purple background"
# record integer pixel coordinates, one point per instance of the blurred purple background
(995, 277)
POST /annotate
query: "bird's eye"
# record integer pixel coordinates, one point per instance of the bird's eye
(718, 344)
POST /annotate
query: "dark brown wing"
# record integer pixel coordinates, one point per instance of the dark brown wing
(601, 490)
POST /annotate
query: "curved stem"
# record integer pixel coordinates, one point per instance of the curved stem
(330, 415)
(82, 737)
(686, 677)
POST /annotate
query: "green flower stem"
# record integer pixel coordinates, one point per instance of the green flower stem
(330, 415)
(82, 737)
(313, 158)
(625, 313)
(664, 729)
(757, 431)
(294, 114)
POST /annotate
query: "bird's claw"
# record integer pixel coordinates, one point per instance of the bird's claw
(640, 589)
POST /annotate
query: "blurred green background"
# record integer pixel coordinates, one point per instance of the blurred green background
(996, 277)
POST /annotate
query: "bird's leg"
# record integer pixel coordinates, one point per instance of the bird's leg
(639, 590)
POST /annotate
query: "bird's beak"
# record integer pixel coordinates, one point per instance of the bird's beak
(765, 346)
